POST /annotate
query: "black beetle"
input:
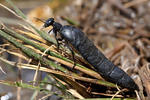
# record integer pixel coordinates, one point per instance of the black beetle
(91, 54)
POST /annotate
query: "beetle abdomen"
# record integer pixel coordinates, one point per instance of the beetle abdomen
(94, 57)
(103, 66)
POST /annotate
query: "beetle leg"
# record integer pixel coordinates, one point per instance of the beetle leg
(74, 60)
(55, 33)
(60, 39)
(50, 31)
(73, 57)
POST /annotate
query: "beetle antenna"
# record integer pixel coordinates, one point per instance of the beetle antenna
(38, 19)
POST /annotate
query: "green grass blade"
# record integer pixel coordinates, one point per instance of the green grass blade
(18, 11)
(25, 85)
(31, 53)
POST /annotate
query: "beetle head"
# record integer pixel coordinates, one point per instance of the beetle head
(49, 22)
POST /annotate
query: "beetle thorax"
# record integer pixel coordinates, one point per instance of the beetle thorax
(67, 34)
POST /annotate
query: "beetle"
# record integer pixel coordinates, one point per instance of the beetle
(91, 54)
